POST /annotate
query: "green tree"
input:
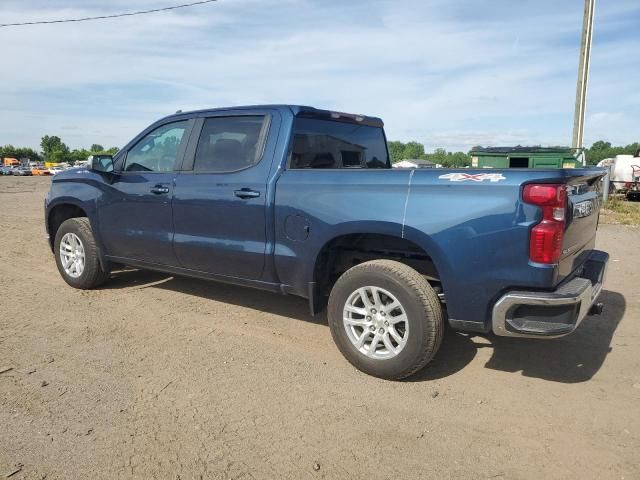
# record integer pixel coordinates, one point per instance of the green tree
(460, 159)
(54, 150)
(8, 151)
(79, 155)
(600, 145)
(51, 143)
(19, 152)
(449, 159)
(601, 150)
(96, 147)
(30, 153)
(413, 150)
(58, 156)
(396, 150)
(439, 156)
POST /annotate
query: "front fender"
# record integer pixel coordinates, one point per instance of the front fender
(80, 193)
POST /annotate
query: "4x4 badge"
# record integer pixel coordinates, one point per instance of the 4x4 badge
(474, 177)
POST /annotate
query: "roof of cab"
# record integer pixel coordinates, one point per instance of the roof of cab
(298, 111)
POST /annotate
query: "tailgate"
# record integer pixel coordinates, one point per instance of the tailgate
(583, 212)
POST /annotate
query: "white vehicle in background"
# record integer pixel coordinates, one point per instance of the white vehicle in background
(55, 170)
(625, 174)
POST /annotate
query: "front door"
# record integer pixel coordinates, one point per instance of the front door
(220, 200)
(135, 219)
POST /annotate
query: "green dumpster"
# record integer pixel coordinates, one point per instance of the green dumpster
(526, 157)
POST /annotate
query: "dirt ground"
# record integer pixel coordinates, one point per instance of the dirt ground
(160, 377)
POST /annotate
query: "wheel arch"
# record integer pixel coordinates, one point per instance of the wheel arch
(65, 209)
(59, 213)
(347, 249)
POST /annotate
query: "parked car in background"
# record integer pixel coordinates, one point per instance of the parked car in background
(55, 170)
(625, 174)
(6, 170)
(302, 201)
(10, 162)
(22, 171)
(40, 170)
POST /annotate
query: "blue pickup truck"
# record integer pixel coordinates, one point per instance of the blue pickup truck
(303, 201)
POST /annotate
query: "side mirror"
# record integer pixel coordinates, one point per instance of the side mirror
(101, 163)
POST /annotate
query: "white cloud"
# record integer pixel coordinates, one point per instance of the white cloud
(446, 73)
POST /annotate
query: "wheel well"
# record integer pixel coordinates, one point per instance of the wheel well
(58, 215)
(344, 252)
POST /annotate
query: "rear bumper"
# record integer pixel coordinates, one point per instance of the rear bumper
(551, 314)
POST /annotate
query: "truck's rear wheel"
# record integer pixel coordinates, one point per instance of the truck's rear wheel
(77, 254)
(385, 318)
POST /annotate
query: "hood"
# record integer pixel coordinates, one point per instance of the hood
(71, 173)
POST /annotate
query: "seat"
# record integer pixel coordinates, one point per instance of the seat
(224, 155)
(228, 155)
(323, 160)
(301, 150)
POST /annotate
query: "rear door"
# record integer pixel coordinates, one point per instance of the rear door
(220, 198)
(135, 218)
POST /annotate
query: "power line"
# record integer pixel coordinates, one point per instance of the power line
(103, 17)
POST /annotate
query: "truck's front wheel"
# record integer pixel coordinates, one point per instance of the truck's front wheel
(77, 254)
(385, 318)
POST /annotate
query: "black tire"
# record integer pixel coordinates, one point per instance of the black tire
(93, 275)
(422, 307)
(633, 195)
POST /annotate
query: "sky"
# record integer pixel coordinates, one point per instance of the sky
(447, 73)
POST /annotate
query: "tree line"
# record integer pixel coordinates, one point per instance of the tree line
(53, 149)
(415, 151)
(601, 150)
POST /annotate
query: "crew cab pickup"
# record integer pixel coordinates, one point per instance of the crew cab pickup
(303, 201)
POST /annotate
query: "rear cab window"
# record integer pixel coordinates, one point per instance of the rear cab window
(327, 144)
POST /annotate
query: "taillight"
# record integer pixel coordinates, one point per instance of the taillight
(545, 244)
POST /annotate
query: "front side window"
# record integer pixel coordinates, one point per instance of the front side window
(157, 151)
(228, 144)
(330, 144)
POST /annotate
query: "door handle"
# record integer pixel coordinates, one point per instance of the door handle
(246, 193)
(159, 189)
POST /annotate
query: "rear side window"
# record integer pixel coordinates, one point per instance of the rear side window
(228, 144)
(328, 144)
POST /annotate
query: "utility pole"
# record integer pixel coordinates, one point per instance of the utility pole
(583, 74)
